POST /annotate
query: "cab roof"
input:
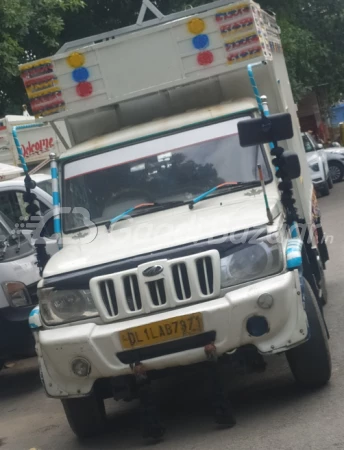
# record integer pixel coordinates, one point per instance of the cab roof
(162, 126)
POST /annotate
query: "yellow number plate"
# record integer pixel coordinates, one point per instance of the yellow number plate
(164, 331)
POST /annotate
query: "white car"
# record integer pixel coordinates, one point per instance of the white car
(12, 204)
(335, 158)
(19, 276)
(318, 164)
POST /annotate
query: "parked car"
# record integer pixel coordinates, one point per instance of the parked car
(19, 276)
(13, 206)
(335, 158)
(318, 164)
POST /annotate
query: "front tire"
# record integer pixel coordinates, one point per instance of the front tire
(86, 416)
(330, 182)
(336, 171)
(310, 362)
(325, 190)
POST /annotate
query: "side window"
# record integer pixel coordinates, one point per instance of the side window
(308, 145)
(12, 205)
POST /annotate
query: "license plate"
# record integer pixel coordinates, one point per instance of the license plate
(164, 331)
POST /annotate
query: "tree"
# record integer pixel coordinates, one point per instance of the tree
(312, 36)
(28, 29)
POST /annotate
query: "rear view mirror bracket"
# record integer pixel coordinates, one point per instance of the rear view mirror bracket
(269, 129)
(266, 129)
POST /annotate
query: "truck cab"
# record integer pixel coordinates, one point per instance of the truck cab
(19, 277)
(178, 245)
(13, 205)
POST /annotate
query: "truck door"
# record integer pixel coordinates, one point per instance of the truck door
(13, 206)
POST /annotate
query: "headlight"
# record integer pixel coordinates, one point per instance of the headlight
(252, 261)
(58, 307)
(315, 167)
(17, 294)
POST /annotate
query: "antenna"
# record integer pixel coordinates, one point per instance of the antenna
(262, 182)
(147, 4)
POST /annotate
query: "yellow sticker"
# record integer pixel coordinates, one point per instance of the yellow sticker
(196, 26)
(76, 60)
(40, 62)
(43, 92)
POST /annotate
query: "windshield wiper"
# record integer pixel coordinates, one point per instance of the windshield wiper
(231, 186)
(143, 206)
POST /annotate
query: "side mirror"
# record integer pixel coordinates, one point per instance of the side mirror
(319, 147)
(289, 164)
(274, 128)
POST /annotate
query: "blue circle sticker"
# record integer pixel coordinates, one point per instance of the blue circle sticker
(201, 41)
(80, 74)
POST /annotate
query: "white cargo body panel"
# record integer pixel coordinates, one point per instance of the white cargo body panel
(36, 142)
(155, 59)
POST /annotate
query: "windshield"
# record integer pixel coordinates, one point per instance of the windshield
(308, 143)
(4, 232)
(6, 226)
(46, 186)
(12, 245)
(172, 168)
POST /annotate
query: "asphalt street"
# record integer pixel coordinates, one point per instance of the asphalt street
(272, 412)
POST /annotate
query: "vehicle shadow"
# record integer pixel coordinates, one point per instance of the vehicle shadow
(186, 411)
(21, 378)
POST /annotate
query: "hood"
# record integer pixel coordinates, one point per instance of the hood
(22, 269)
(313, 158)
(166, 229)
(336, 150)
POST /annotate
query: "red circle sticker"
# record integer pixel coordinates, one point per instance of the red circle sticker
(205, 58)
(84, 89)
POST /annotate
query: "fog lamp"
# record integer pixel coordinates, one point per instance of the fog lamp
(257, 326)
(265, 301)
(81, 367)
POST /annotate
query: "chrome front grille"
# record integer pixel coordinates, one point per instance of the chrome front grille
(135, 292)
(132, 293)
(181, 281)
(205, 275)
(108, 293)
(157, 292)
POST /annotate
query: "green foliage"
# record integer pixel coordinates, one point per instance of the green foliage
(312, 35)
(313, 38)
(28, 29)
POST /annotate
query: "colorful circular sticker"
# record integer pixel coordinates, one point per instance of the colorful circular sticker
(205, 58)
(84, 89)
(201, 41)
(76, 59)
(80, 74)
(196, 26)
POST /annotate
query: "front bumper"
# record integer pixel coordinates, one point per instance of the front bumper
(318, 180)
(226, 316)
(15, 336)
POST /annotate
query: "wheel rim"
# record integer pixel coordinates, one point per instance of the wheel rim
(335, 173)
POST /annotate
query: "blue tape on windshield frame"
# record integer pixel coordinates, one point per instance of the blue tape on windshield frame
(56, 196)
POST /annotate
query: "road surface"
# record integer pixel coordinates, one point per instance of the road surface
(272, 413)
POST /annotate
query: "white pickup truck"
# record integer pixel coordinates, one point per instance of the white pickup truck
(37, 140)
(12, 203)
(179, 245)
(19, 277)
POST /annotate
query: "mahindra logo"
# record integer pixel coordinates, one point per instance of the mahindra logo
(153, 271)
